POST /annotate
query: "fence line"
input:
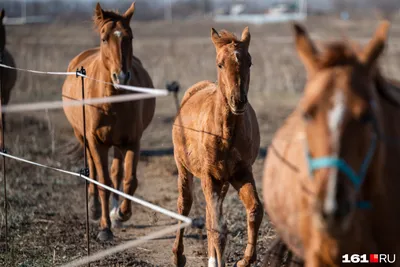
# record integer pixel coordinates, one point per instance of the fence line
(67, 103)
(127, 245)
(122, 194)
(126, 87)
(144, 94)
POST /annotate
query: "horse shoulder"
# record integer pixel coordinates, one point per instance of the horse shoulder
(77, 61)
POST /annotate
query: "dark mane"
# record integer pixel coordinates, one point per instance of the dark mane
(337, 54)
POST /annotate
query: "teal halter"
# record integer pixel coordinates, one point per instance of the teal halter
(357, 178)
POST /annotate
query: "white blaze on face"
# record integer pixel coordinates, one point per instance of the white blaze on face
(335, 119)
(237, 54)
(118, 34)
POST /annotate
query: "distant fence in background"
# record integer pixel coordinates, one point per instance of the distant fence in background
(255, 11)
(39, 11)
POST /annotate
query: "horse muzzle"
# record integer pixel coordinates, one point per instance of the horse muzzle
(121, 78)
(238, 106)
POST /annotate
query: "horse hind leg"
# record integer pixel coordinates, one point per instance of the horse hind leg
(244, 183)
(116, 177)
(184, 204)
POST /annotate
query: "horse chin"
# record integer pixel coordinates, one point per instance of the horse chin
(117, 83)
(237, 112)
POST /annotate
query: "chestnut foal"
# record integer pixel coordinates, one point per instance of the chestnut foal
(216, 138)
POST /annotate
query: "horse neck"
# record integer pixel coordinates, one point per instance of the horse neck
(224, 116)
(103, 74)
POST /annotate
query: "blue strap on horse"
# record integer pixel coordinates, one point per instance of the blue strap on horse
(356, 178)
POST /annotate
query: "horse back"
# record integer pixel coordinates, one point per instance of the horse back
(194, 89)
(81, 58)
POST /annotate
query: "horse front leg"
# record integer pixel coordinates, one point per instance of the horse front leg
(214, 193)
(94, 203)
(130, 184)
(184, 204)
(116, 177)
(244, 183)
(99, 154)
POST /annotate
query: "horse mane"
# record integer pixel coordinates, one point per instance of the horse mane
(338, 54)
(226, 37)
(346, 53)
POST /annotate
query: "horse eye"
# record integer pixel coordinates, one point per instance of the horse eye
(104, 41)
(307, 117)
(220, 65)
(309, 114)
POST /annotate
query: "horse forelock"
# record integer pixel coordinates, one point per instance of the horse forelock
(338, 54)
(228, 38)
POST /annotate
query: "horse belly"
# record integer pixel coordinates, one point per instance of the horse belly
(203, 160)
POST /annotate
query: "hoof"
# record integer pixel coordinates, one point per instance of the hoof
(105, 235)
(179, 261)
(94, 208)
(242, 263)
(116, 218)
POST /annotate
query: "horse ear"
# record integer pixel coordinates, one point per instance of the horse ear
(129, 13)
(305, 48)
(246, 37)
(215, 37)
(376, 46)
(2, 14)
(98, 14)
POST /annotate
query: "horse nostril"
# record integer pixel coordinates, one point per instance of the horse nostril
(243, 100)
(115, 77)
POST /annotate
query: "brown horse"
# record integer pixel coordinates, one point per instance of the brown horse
(216, 138)
(8, 77)
(331, 178)
(118, 125)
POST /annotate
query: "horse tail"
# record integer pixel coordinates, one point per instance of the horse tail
(73, 150)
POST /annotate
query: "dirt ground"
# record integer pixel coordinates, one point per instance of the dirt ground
(47, 209)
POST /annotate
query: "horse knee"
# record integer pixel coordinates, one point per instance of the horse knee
(130, 184)
(256, 214)
(104, 194)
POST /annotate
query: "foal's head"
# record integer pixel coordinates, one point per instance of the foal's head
(116, 42)
(233, 62)
(2, 31)
(340, 117)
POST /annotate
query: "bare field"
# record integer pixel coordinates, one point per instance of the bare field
(47, 209)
